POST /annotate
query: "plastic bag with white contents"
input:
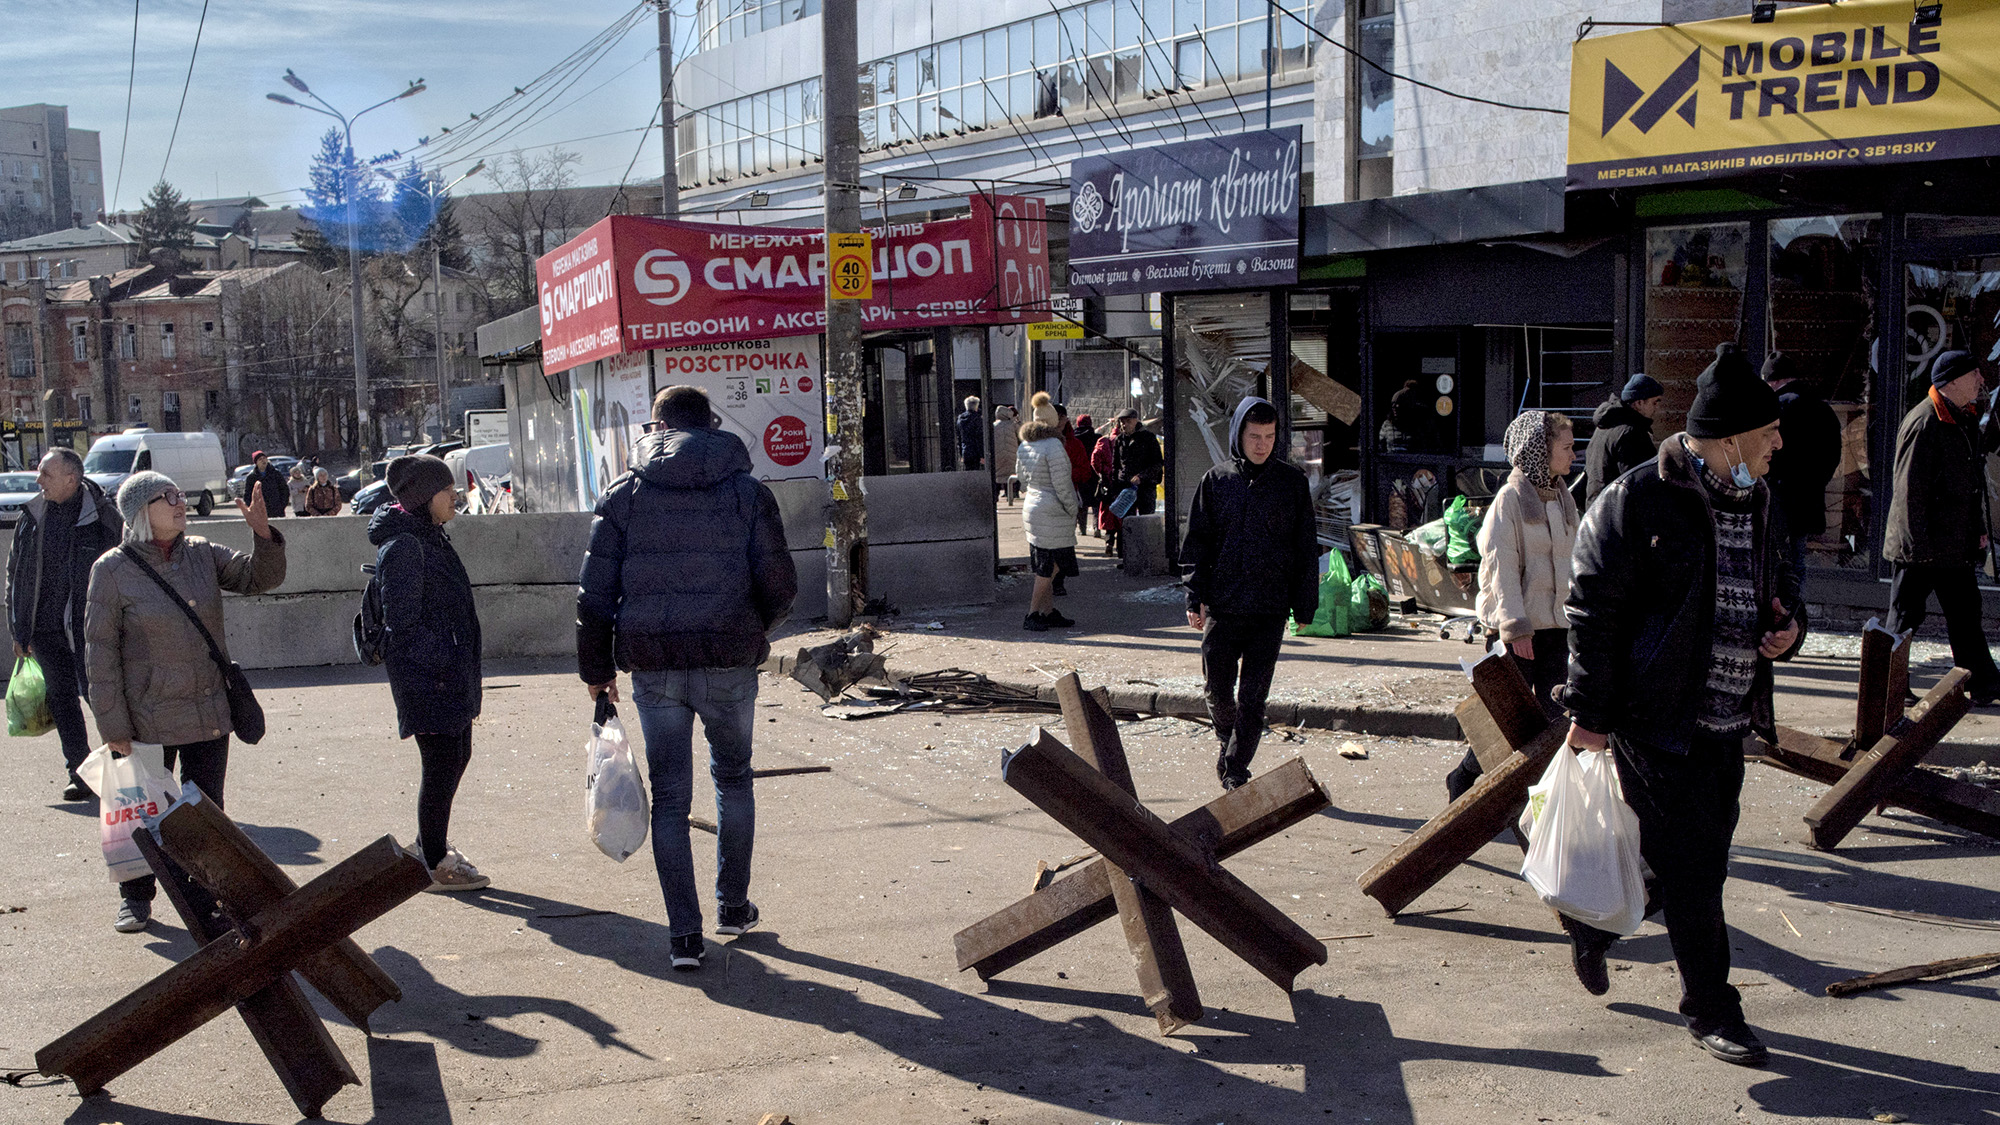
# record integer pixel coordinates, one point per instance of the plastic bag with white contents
(1583, 843)
(616, 812)
(131, 788)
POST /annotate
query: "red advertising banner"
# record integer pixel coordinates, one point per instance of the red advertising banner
(631, 283)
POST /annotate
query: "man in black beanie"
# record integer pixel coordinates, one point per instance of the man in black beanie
(1811, 453)
(1937, 516)
(1682, 595)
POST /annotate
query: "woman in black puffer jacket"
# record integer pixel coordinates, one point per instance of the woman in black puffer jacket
(431, 649)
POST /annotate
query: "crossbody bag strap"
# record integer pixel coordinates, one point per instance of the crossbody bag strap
(214, 650)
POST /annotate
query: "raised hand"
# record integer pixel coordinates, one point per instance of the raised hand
(254, 513)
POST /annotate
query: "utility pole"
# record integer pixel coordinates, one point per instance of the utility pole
(847, 516)
(670, 183)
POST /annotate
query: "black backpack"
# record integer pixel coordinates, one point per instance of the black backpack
(371, 631)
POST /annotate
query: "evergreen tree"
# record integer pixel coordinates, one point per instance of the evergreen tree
(424, 218)
(336, 178)
(164, 222)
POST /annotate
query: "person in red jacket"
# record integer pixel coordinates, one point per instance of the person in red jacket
(1103, 461)
(1080, 474)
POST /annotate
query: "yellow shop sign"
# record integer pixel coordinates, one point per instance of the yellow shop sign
(1829, 84)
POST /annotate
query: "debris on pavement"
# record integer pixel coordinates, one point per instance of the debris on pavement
(1915, 916)
(1930, 970)
(1353, 750)
(832, 668)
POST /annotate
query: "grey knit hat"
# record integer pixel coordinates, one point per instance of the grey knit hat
(139, 490)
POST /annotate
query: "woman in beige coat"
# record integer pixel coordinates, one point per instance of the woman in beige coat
(1524, 562)
(151, 676)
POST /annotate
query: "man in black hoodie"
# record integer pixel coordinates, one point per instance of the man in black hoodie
(1800, 470)
(1623, 436)
(1252, 549)
(61, 533)
(686, 575)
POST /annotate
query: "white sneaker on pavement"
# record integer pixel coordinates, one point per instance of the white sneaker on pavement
(455, 873)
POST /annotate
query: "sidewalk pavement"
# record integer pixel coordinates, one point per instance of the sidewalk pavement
(1132, 635)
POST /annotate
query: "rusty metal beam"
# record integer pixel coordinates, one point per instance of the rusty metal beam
(1876, 773)
(1187, 877)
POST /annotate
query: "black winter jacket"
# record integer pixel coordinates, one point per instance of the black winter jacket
(1810, 454)
(1251, 540)
(432, 648)
(687, 565)
(277, 489)
(1938, 510)
(1622, 441)
(1642, 604)
(97, 530)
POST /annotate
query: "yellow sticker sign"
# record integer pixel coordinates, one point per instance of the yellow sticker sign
(1055, 330)
(1825, 85)
(849, 273)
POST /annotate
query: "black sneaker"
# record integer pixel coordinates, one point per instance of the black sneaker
(1732, 1043)
(78, 791)
(1235, 779)
(1587, 946)
(1983, 697)
(736, 919)
(1055, 619)
(1034, 623)
(687, 953)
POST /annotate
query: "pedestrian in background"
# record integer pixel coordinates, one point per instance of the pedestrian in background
(1524, 563)
(1006, 436)
(1622, 437)
(1138, 463)
(323, 499)
(1937, 530)
(62, 531)
(1104, 463)
(686, 576)
(1800, 471)
(277, 486)
(431, 650)
(1682, 596)
(152, 678)
(971, 435)
(1252, 545)
(1048, 511)
(1086, 487)
(1080, 477)
(298, 486)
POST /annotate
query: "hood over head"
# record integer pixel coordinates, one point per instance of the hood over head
(689, 459)
(1236, 425)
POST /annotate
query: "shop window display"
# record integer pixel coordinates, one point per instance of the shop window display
(1222, 352)
(1694, 301)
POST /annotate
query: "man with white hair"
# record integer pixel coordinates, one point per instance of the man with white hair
(61, 533)
(972, 435)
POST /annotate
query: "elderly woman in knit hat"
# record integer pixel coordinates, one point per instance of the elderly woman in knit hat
(151, 676)
(431, 649)
(1524, 549)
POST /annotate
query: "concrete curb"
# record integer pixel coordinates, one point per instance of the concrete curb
(1428, 723)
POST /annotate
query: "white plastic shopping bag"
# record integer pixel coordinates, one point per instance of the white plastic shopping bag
(130, 789)
(1583, 843)
(616, 812)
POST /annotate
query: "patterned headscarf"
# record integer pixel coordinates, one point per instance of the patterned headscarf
(1527, 445)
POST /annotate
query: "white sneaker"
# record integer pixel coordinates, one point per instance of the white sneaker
(455, 873)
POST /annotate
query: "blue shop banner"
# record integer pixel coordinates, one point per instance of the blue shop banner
(1219, 213)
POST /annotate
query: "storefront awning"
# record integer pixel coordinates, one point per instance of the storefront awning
(1434, 218)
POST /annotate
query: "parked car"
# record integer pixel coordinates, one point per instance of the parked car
(16, 489)
(192, 461)
(242, 473)
(349, 482)
(370, 498)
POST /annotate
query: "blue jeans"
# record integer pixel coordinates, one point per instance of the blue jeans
(726, 701)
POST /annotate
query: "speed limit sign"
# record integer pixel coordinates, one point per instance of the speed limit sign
(848, 272)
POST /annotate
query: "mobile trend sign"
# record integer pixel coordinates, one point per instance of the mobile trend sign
(1847, 84)
(1217, 213)
(629, 283)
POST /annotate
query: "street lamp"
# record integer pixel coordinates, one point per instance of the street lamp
(352, 188)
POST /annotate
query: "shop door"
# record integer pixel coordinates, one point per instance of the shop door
(1952, 303)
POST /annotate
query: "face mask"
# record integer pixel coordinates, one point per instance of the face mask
(1739, 475)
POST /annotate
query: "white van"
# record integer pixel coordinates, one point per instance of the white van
(192, 461)
(482, 473)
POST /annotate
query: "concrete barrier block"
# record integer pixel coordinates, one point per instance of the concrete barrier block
(929, 507)
(1144, 544)
(919, 575)
(326, 553)
(524, 620)
(802, 505)
(290, 630)
(811, 601)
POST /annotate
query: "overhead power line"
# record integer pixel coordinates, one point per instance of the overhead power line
(1302, 22)
(185, 83)
(131, 73)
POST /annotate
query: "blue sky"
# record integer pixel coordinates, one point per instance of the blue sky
(471, 54)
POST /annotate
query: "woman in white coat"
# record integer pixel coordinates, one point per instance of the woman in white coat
(1048, 512)
(1524, 562)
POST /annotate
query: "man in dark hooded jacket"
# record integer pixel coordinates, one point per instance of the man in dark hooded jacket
(62, 531)
(686, 575)
(1800, 471)
(1252, 547)
(1937, 529)
(1623, 437)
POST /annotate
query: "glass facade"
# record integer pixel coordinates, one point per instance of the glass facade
(725, 21)
(1098, 55)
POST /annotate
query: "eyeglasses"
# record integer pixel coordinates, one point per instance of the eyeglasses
(173, 496)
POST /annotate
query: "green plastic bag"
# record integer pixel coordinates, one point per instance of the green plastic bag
(1368, 607)
(1463, 545)
(28, 700)
(1335, 595)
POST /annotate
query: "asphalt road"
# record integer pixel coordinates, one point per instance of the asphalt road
(548, 998)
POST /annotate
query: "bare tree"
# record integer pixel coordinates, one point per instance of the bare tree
(533, 212)
(298, 374)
